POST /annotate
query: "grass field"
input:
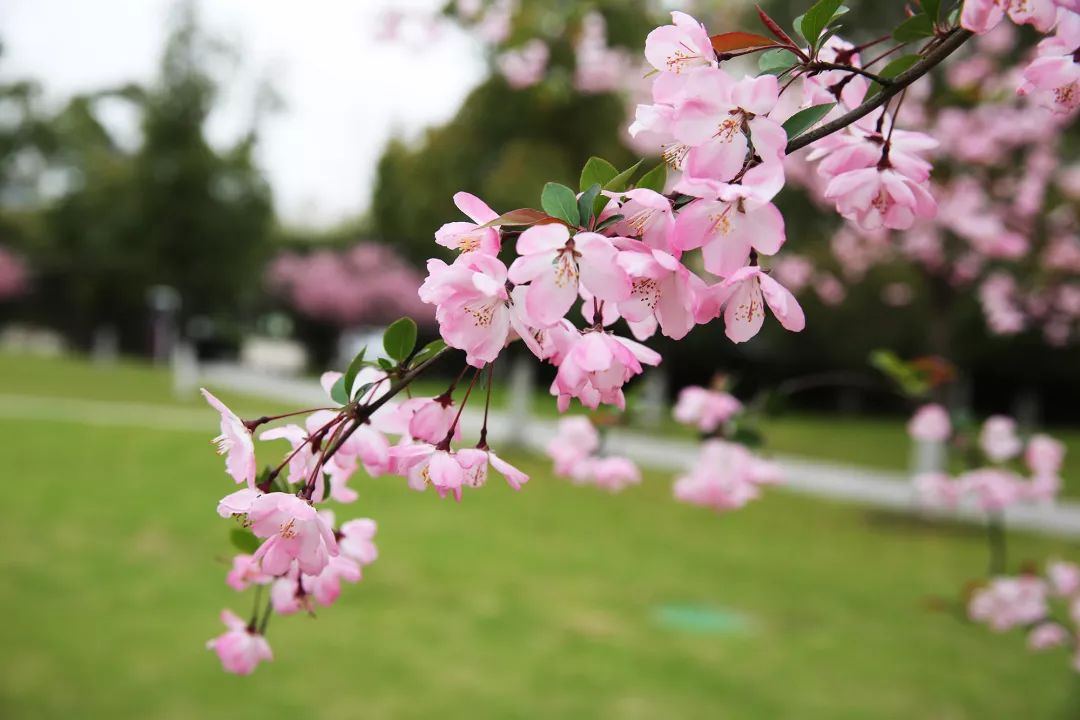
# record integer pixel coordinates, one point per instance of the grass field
(556, 602)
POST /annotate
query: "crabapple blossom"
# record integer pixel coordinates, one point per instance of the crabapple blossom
(647, 216)
(1047, 635)
(234, 443)
(930, 423)
(356, 539)
(240, 648)
(238, 503)
(475, 461)
(245, 572)
(662, 288)
(742, 298)
(576, 440)
(1044, 455)
(725, 476)
(1064, 578)
(325, 586)
(1009, 601)
(524, 67)
(705, 409)
(727, 231)
(998, 438)
(680, 47)
(293, 530)
(981, 16)
(937, 489)
(553, 263)
(595, 368)
(873, 198)
(467, 237)
(611, 473)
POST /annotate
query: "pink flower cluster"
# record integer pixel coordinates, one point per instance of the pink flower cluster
(1001, 482)
(575, 452)
(725, 476)
(303, 556)
(1029, 601)
(13, 275)
(705, 409)
(359, 286)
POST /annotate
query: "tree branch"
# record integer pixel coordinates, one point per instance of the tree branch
(952, 41)
(818, 66)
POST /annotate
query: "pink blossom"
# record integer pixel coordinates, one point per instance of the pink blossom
(661, 287)
(647, 216)
(553, 263)
(293, 531)
(575, 440)
(475, 461)
(998, 438)
(473, 308)
(1054, 83)
(1009, 601)
(1064, 578)
(981, 16)
(596, 366)
(433, 419)
(873, 198)
(432, 465)
(728, 230)
(240, 648)
(245, 572)
(994, 489)
(597, 67)
(13, 275)
(1047, 635)
(742, 298)
(467, 237)
(930, 423)
(524, 67)
(234, 443)
(725, 476)
(1044, 455)
(613, 473)
(238, 503)
(325, 586)
(705, 409)
(680, 47)
(357, 540)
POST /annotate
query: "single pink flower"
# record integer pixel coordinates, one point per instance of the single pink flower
(873, 198)
(1009, 601)
(647, 216)
(681, 46)
(595, 368)
(524, 66)
(728, 231)
(1047, 635)
(705, 409)
(237, 503)
(246, 572)
(293, 531)
(998, 438)
(234, 443)
(474, 310)
(661, 287)
(930, 423)
(475, 461)
(575, 439)
(1054, 83)
(468, 237)
(1044, 455)
(725, 476)
(994, 489)
(553, 264)
(325, 586)
(981, 16)
(742, 298)
(1064, 578)
(240, 649)
(613, 473)
(357, 540)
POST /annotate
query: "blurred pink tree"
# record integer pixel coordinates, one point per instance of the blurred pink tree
(13, 275)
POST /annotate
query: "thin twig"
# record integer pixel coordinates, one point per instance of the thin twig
(953, 40)
(818, 66)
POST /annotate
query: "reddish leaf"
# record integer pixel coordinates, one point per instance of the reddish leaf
(521, 216)
(774, 28)
(726, 42)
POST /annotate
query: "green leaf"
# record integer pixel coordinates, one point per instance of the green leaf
(585, 203)
(608, 222)
(655, 179)
(354, 369)
(561, 202)
(774, 62)
(932, 8)
(243, 541)
(914, 28)
(891, 70)
(521, 216)
(428, 351)
(797, 24)
(400, 339)
(803, 120)
(620, 181)
(386, 364)
(817, 18)
(596, 170)
(338, 393)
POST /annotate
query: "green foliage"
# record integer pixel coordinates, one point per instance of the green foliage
(805, 119)
(339, 392)
(596, 171)
(893, 69)
(427, 352)
(354, 369)
(655, 179)
(817, 18)
(774, 62)
(914, 28)
(621, 181)
(243, 540)
(400, 339)
(559, 201)
(907, 377)
(585, 204)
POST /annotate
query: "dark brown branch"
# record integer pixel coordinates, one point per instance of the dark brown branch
(951, 42)
(818, 66)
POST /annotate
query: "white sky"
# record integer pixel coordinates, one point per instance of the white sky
(345, 92)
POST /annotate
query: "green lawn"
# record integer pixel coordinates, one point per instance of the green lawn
(545, 603)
